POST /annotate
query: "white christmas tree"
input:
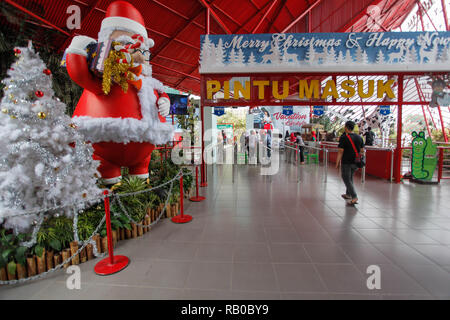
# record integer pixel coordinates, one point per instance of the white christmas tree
(251, 60)
(208, 53)
(310, 54)
(364, 58)
(330, 57)
(341, 58)
(348, 57)
(359, 55)
(44, 161)
(380, 58)
(411, 56)
(220, 53)
(240, 58)
(232, 57)
(204, 53)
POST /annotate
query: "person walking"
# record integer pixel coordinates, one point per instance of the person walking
(242, 142)
(346, 159)
(370, 137)
(300, 143)
(269, 142)
(253, 140)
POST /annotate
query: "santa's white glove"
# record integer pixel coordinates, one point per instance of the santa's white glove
(164, 106)
(79, 44)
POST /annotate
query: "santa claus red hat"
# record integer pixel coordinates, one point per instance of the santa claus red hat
(122, 15)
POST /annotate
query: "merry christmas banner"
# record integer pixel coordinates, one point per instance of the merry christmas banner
(325, 52)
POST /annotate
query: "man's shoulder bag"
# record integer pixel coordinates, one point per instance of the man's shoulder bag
(360, 160)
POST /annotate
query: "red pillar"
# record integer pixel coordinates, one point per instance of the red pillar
(442, 124)
(398, 150)
(203, 165)
(444, 11)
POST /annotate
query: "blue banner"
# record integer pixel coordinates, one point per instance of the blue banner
(288, 110)
(325, 52)
(219, 111)
(318, 110)
(385, 110)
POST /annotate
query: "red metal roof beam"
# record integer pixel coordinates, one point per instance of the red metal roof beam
(361, 14)
(216, 17)
(264, 16)
(300, 17)
(176, 71)
(426, 12)
(253, 16)
(444, 11)
(176, 13)
(36, 16)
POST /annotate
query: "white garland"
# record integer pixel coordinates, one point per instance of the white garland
(125, 130)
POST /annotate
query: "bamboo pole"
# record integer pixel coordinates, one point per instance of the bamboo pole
(133, 230)
(83, 255)
(31, 266)
(114, 236)
(49, 258)
(40, 262)
(65, 255)
(174, 210)
(149, 222)
(73, 251)
(122, 234)
(57, 259)
(140, 229)
(3, 276)
(21, 271)
(128, 233)
(144, 229)
(90, 251)
(104, 244)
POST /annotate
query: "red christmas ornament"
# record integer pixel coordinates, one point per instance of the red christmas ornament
(47, 72)
(17, 51)
(39, 94)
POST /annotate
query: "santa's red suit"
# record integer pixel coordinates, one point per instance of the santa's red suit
(123, 127)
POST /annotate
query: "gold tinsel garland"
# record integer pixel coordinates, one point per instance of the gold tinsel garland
(117, 72)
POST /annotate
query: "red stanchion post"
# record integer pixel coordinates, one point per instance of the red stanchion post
(111, 264)
(181, 218)
(441, 164)
(203, 170)
(197, 198)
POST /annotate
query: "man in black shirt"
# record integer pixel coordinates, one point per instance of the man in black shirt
(346, 158)
(370, 137)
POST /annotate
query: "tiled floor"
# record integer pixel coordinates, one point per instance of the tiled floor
(287, 236)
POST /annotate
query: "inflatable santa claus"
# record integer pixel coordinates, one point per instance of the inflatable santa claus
(123, 125)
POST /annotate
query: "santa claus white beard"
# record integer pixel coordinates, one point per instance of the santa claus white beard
(146, 70)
